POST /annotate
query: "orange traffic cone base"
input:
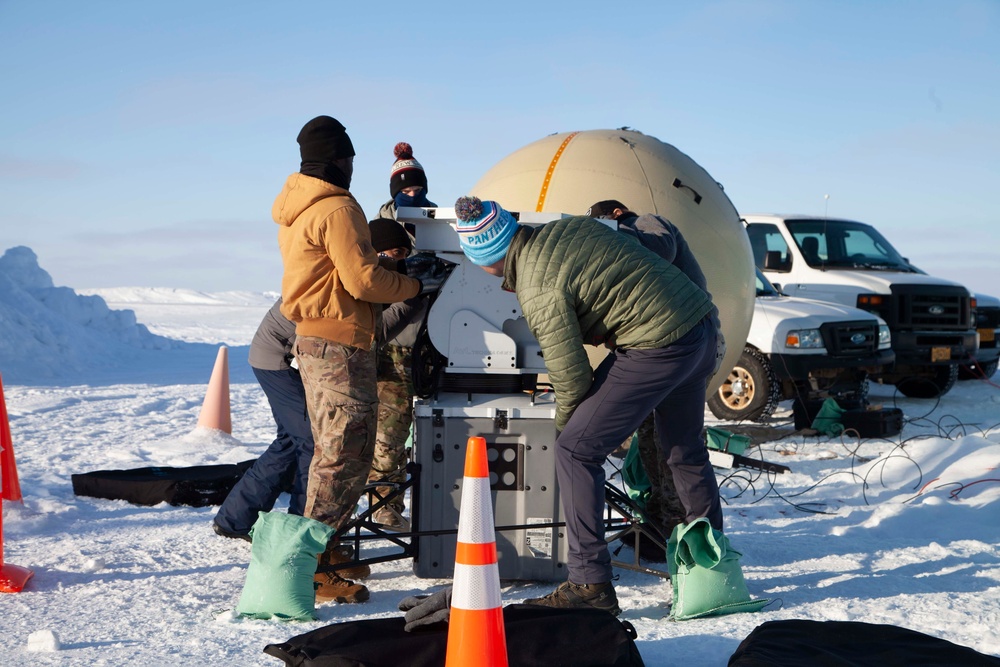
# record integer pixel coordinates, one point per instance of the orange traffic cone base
(483, 635)
(13, 578)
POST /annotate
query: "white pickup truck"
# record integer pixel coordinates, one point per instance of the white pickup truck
(987, 310)
(801, 348)
(850, 263)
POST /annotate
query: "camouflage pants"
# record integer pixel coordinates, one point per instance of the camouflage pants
(395, 416)
(339, 382)
(663, 507)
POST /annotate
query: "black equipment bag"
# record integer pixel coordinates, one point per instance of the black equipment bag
(197, 486)
(804, 410)
(801, 643)
(874, 423)
(536, 637)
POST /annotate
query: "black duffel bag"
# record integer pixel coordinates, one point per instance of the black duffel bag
(196, 486)
(536, 637)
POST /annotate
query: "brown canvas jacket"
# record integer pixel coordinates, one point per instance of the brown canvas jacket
(332, 275)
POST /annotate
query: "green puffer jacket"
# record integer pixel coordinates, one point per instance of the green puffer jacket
(578, 281)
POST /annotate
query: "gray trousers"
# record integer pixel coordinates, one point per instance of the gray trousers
(670, 382)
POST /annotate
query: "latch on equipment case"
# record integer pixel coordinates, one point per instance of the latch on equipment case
(437, 417)
(500, 420)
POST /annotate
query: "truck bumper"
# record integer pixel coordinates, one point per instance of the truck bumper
(988, 350)
(799, 366)
(933, 347)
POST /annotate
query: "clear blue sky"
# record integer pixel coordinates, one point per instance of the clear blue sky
(142, 144)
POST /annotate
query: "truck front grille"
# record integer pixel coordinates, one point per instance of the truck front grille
(850, 338)
(931, 307)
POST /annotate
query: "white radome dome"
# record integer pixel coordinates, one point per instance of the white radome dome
(570, 171)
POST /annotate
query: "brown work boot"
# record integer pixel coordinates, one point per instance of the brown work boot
(332, 587)
(336, 554)
(570, 596)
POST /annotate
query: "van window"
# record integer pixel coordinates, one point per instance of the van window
(770, 252)
(844, 244)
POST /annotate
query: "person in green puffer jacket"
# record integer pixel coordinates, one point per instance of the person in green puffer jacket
(579, 282)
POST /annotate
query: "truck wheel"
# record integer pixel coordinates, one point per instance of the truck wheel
(977, 371)
(751, 392)
(938, 383)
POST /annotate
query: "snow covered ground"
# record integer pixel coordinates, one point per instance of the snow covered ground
(903, 531)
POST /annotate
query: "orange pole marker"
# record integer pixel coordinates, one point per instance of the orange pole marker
(475, 629)
(12, 577)
(215, 412)
(10, 488)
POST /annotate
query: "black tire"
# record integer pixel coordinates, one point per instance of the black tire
(977, 371)
(935, 385)
(856, 392)
(750, 392)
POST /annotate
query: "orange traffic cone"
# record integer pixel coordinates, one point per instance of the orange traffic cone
(215, 410)
(12, 577)
(10, 488)
(475, 629)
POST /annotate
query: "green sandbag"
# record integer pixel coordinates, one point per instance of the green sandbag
(827, 420)
(724, 441)
(634, 475)
(283, 562)
(705, 572)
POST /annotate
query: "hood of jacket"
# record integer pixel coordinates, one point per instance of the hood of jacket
(301, 192)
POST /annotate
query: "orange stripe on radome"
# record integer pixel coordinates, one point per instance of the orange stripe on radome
(552, 167)
(476, 554)
(475, 458)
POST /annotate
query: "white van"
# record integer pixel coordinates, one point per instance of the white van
(850, 263)
(798, 348)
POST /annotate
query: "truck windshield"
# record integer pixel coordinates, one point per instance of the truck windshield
(764, 286)
(845, 244)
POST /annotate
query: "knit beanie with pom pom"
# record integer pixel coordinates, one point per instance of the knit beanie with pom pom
(484, 229)
(406, 171)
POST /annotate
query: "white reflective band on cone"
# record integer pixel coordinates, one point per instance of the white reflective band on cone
(476, 523)
(476, 588)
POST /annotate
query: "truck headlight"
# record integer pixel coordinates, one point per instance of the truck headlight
(884, 337)
(804, 338)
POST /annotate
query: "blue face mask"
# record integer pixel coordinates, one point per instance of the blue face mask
(403, 199)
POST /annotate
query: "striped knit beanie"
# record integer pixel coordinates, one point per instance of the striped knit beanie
(484, 230)
(406, 171)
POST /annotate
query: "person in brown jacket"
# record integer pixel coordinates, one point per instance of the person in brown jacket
(332, 278)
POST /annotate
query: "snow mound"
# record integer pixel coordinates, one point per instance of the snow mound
(48, 331)
(192, 316)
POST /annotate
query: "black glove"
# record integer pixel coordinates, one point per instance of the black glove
(431, 271)
(425, 611)
(430, 284)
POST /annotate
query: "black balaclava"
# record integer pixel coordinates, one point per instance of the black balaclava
(323, 141)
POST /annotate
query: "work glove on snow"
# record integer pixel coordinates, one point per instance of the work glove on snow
(426, 611)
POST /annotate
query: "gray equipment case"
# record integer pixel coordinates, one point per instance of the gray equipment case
(519, 430)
